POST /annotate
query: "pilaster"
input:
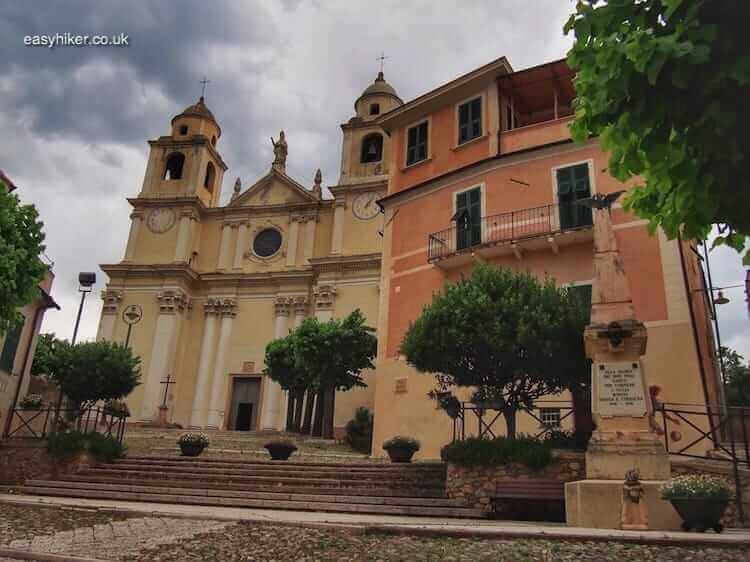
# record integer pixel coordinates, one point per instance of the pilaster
(201, 397)
(337, 234)
(223, 259)
(136, 220)
(324, 295)
(111, 303)
(239, 247)
(227, 310)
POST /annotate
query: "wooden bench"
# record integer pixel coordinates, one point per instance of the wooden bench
(529, 500)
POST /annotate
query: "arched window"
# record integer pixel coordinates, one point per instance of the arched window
(372, 148)
(175, 163)
(208, 182)
(213, 140)
(183, 129)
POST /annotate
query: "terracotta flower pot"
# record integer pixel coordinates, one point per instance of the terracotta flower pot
(400, 454)
(280, 451)
(700, 514)
(191, 449)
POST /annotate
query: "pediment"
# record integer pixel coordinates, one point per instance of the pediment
(275, 188)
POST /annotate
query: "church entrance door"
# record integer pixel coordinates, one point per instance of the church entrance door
(245, 404)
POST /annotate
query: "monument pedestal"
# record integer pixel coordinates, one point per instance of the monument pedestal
(598, 504)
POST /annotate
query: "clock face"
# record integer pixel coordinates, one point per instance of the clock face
(365, 206)
(160, 220)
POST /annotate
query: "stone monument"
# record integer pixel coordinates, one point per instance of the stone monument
(624, 438)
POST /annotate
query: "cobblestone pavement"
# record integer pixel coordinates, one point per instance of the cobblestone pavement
(253, 542)
(18, 522)
(114, 539)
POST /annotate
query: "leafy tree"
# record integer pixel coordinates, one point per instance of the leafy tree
(737, 373)
(507, 335)
(281, 367)
(665, 84)
(323, 357)
(92, 371)
(21, 270)
(44, 355)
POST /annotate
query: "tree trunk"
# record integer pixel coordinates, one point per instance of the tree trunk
(309, 405)
(328, 406)
(510, 422)
(317, 428)
(290, 410)
(298, 403)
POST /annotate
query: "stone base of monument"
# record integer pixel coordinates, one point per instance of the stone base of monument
(610, 455)
(598, 504)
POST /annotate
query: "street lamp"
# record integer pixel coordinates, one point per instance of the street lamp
(86, 280)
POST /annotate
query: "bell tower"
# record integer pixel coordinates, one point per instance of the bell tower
(186, 163)
(366, 148)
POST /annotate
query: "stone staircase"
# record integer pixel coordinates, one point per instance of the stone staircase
(414, 489)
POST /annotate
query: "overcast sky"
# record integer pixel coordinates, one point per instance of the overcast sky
(75, 120)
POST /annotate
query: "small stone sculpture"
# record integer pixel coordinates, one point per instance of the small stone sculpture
(280, 150)
(634, 510)
(317, 189)
(237, 189)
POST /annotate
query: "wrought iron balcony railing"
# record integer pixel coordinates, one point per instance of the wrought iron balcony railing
(508, 227)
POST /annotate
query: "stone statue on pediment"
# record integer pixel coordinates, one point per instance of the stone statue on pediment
(280, 151)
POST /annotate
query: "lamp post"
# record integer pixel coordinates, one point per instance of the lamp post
(86, 280)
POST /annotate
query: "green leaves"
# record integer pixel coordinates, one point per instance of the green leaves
(507, 334)
(664, 84)
(21, 244)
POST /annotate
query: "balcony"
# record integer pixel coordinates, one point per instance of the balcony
(539, 228)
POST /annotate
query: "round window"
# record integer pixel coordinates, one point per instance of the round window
(267, 242)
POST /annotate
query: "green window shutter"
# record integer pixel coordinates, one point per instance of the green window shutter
(584, 293)
(469, 120)
(416, 144)
(8, 355)
(476, 118)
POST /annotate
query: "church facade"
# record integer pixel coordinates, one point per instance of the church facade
(203, 288)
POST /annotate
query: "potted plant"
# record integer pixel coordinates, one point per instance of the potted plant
(31, 402)
(401, 449)
(281, 449)
(192, 444)
(700, 500)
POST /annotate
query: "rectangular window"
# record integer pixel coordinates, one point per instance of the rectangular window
(468, 218)
(469, 120)
(416, 145)
(8, 355)
(573, 184)
(550, 417)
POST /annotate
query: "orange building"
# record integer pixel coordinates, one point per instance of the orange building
(483, 169)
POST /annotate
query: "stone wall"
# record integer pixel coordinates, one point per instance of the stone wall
(476, 484)
(21, 459)
(723, 470)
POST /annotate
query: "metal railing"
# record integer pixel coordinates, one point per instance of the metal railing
(508, 227)
(39, 423)
(487, 417)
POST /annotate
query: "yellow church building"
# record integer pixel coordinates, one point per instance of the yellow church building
(203, 288)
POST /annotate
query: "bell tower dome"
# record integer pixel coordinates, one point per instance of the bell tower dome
(366, 148)
(186, 163)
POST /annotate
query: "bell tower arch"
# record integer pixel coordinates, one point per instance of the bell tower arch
(187, 163)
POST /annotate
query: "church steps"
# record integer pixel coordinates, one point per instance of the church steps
(221, 484)
(157, 488)
(276, 480)
(424, 511)
(292, 472)
(367, 466)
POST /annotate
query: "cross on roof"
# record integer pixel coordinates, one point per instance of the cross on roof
(204, 82)
(382, 58)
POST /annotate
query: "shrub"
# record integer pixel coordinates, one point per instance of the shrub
(192, 438)
(69, 443)
(475, 451)
(402, 442)
(696, 486)
(573, 440)
(359, 431)
(116, 408)
(31, 402)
